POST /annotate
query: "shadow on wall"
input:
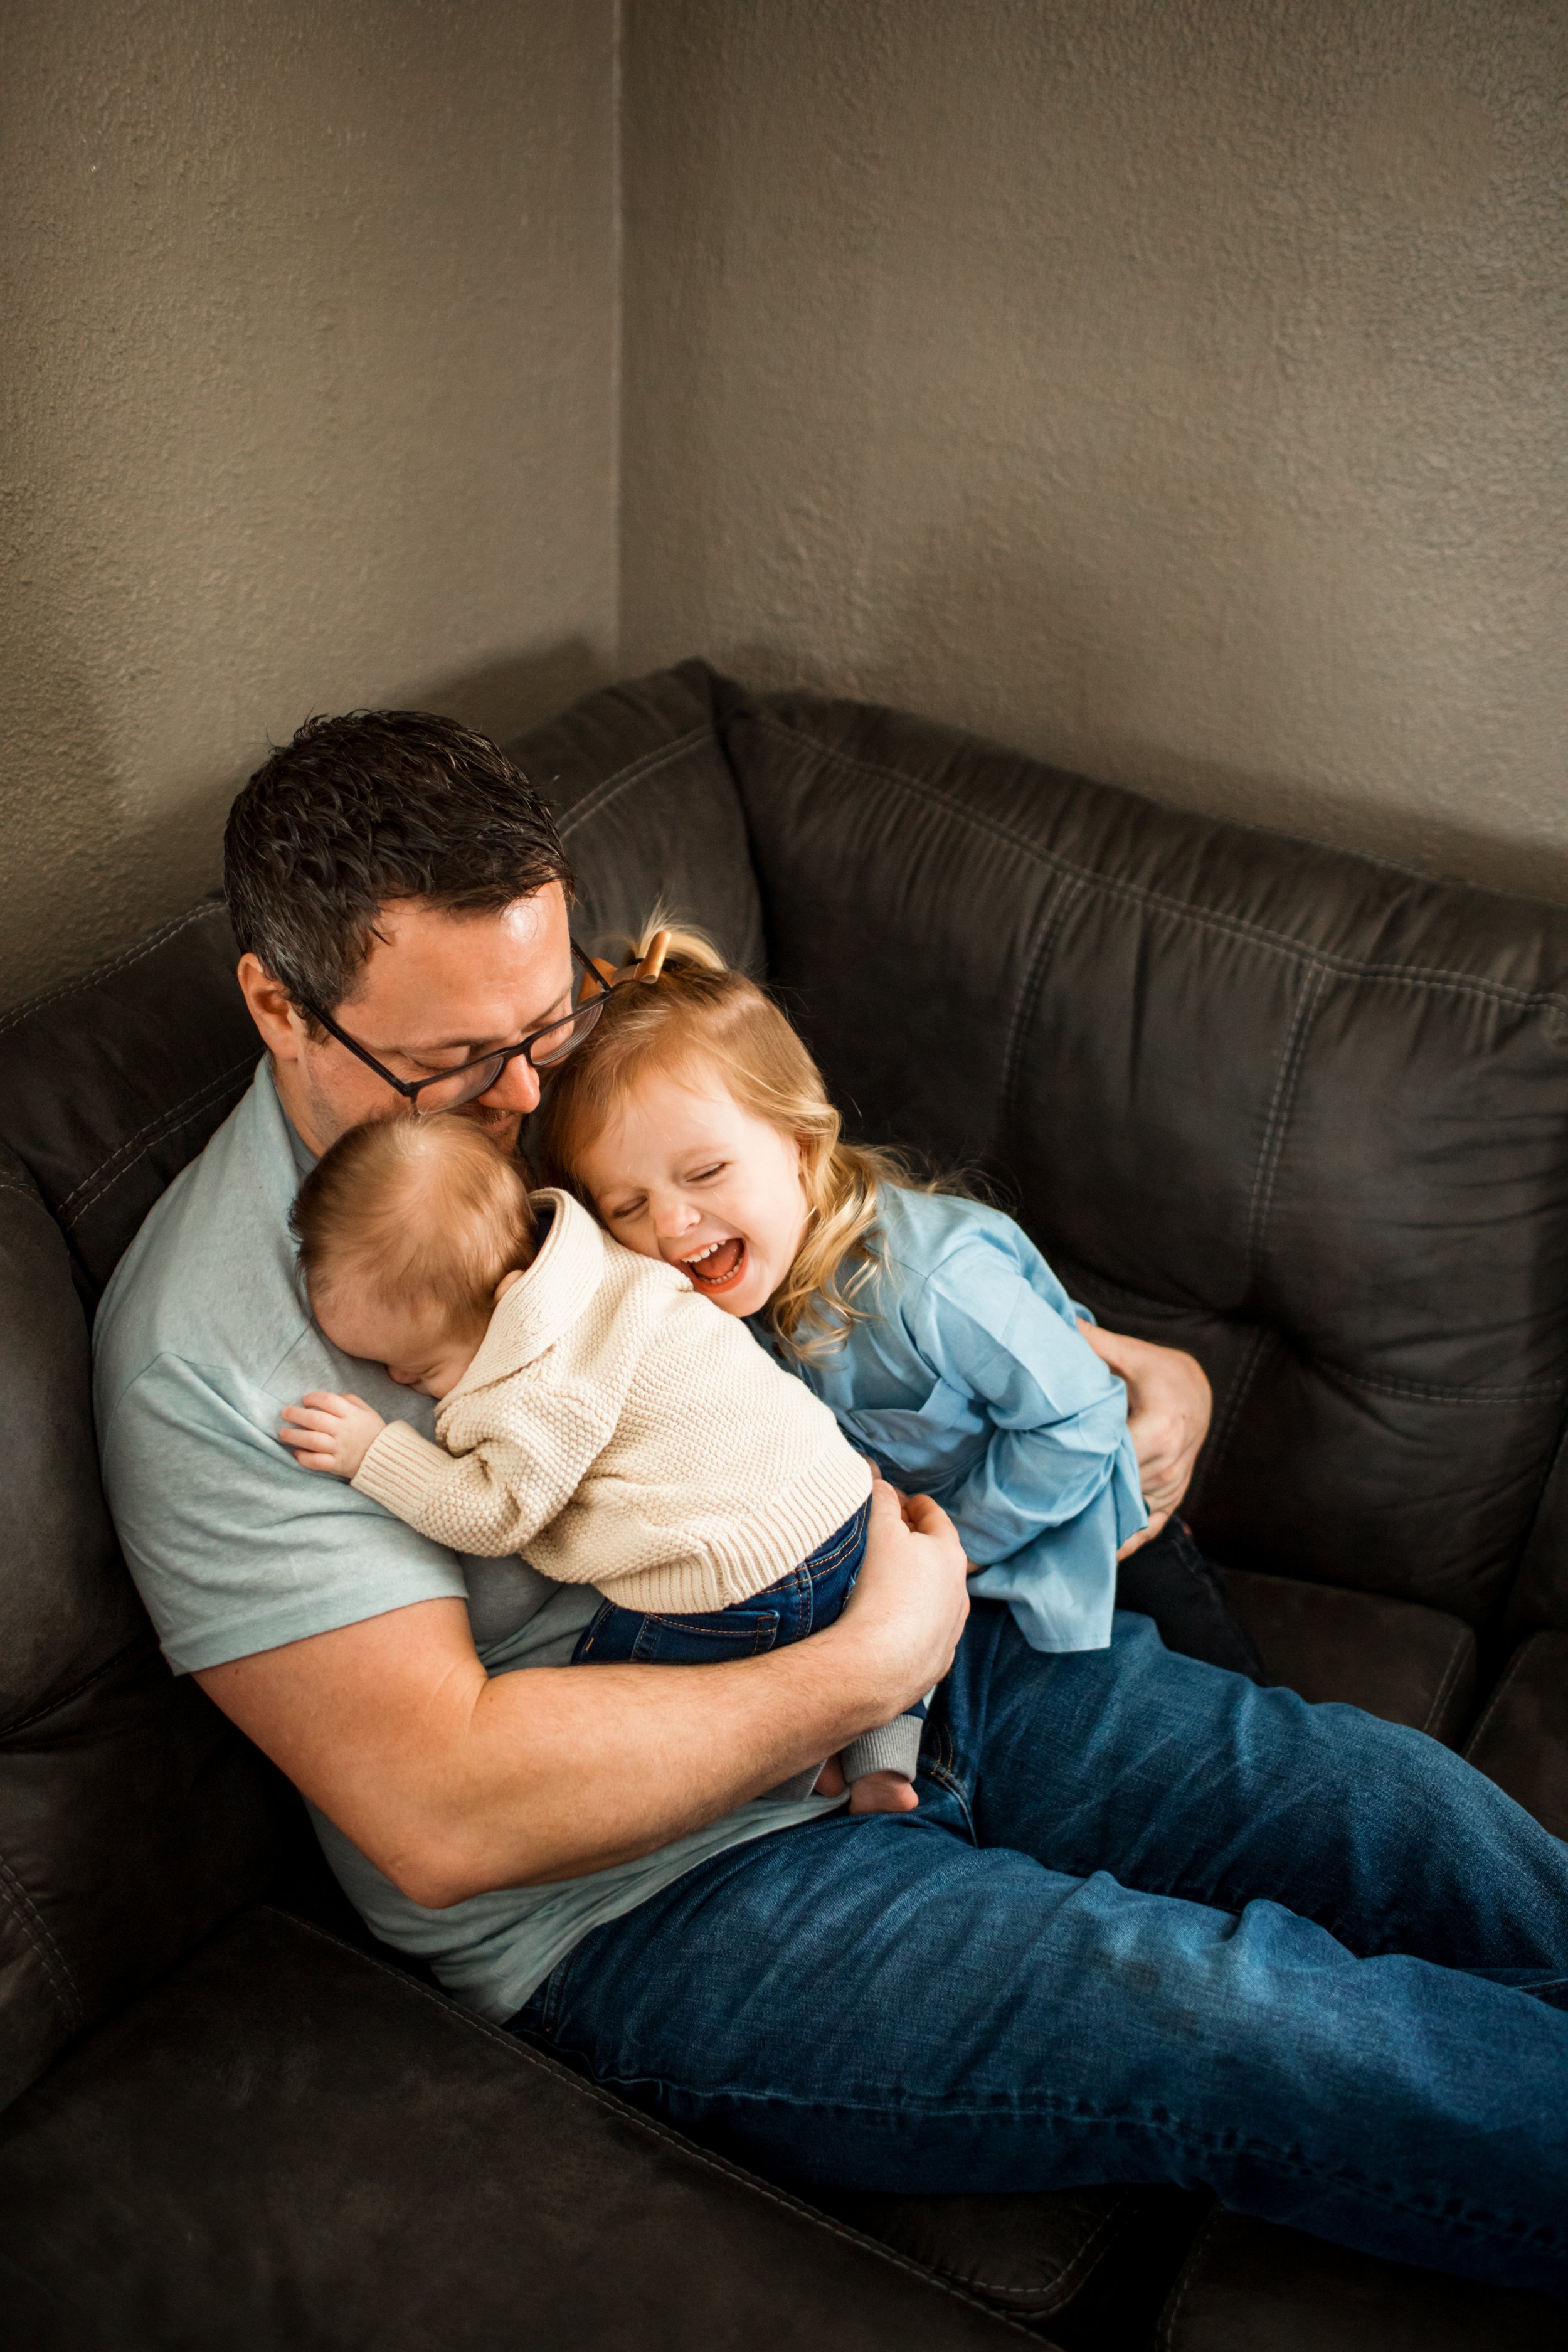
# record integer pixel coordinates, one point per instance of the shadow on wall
(113, 870)
(505, 698)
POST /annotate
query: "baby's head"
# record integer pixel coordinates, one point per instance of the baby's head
(695, 1124)
(406, 1228)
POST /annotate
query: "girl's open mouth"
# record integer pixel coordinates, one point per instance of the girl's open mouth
(717, 1268)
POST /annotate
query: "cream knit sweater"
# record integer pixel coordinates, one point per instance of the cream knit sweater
(628, 1434)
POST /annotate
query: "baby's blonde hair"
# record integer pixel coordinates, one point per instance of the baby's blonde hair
(699, 1012)
(416, 1211)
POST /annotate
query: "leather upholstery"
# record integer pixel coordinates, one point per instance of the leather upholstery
(111, 1083)
(1166, 1035)
(1249, 2286)
(1090, 2266)
(1521, 1739)
(1162, 1036)
(1394, 1658)
(646, 803)
(287, 2146)
(132, 1816)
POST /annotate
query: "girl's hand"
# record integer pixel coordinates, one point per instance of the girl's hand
(330, 1432)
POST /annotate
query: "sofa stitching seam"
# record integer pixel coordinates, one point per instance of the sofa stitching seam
(1389, 1384)
(1334, 961)
(1064, 891)
(1187, 2282)
(1513, 1668)
(118, 1164)
(1278, 1125)
(624, 2112)
(36, 1928)
(98, 973)
(1049, 2300)
(1263, 1345)
(609, 788)
(1445, 1688)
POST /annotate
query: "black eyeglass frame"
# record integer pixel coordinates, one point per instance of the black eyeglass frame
(412, 1088)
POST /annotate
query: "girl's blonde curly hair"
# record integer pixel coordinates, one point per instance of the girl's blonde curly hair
(699, 1011)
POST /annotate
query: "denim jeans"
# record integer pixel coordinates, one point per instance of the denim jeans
(802, 1602)
(1149, 1923)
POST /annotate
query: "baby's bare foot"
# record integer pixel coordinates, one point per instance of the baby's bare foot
(882, 1792)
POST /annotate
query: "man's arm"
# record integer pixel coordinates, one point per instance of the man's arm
(453, 1782)
(1168, 1405)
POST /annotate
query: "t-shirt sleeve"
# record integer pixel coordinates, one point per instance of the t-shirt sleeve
(234, 1547)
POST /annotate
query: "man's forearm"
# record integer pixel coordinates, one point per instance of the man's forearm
(568, 1770)
(453, 1782)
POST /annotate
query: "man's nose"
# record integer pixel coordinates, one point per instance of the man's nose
(516, 1089)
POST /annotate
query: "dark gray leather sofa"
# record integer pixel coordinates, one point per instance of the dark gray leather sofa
(1302, 1113)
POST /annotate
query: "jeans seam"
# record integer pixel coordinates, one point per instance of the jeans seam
(1195, 2146)
(943, 1778)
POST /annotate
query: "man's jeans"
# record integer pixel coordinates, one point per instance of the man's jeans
(1149, 1923)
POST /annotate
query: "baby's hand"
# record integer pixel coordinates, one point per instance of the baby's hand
(330, 1432)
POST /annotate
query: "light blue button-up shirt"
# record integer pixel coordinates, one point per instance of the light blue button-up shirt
(971, 1383)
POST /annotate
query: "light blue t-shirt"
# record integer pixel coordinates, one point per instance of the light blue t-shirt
(970, 1382)
(201, 1335)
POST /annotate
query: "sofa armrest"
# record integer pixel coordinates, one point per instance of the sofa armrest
(289, 2146)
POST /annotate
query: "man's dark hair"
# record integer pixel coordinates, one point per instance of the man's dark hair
(360, 811)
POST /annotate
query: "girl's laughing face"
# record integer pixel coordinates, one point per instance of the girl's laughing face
(681, 1171)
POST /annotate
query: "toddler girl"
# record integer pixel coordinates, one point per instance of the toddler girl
(698, 1127)
(594, 1412)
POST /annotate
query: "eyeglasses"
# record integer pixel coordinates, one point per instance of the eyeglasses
(541, 1049)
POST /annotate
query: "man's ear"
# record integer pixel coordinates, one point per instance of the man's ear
(272, 1009)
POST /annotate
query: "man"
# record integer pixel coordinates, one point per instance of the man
(1149, 1922)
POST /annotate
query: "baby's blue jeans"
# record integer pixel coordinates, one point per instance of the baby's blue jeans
(1149, 1923)
(802, 1602)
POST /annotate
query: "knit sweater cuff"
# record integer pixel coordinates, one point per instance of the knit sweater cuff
(892, 1748)
(400, 1469)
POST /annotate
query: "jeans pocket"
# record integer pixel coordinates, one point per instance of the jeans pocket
(704, 1640)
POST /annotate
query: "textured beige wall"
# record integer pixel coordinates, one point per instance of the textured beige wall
(307, 334)
(1176, 387)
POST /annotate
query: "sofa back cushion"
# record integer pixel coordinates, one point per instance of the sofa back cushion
(1303, 1113)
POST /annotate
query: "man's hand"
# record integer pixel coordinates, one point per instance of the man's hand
(910, 1598)
(330, 1432)
(1168, 1405)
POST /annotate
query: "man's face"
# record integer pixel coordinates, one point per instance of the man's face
(437, 989)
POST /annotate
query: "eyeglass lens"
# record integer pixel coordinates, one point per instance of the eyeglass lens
(543, 1053)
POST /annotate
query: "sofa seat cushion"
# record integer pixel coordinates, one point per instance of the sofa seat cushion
(1394, 1658)
(287, 2145)
(1092, 2266)
(1249, 2285)
(1521, 1739)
